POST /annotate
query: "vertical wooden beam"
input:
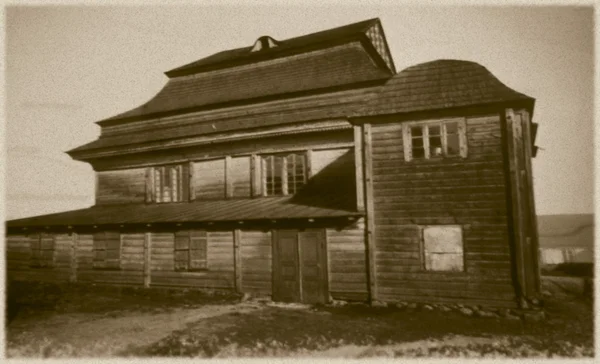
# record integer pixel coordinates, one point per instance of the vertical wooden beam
(237, 260)
(73, 271)
(149, 184)
(309, 161)
(147, 258)
(228, 179)
(531, 213)
(513, 137)
(358, 165)
(370, 210)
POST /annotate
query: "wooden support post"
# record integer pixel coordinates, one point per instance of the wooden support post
(533, 238)
(309, 161)
(513, 133)
(358, 165)
(147, 258)
(370, 226)
(228, 179)
(237, 258)
(73, 272)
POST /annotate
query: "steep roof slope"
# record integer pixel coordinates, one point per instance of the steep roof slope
(340, 56)
(439, 84)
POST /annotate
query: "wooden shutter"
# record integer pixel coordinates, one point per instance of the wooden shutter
(198, 249)
(407, 142)
(182, 246)
(462, 135)
(149, 184)
(190, 182)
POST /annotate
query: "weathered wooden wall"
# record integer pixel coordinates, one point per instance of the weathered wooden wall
(469, 192)
(209, 179)
(121, 186)
(323, 158)
(347, 262)
(256, 261)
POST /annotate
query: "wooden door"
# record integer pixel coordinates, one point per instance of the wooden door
(286, 281)
(300, 266)
(313, 266)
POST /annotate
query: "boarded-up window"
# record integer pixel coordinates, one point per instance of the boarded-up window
(107, 250)
(435, 139)
(443, 248)
(42, 250)
(190, 250)
(283, 174)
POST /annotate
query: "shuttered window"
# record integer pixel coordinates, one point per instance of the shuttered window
(42, 250)
(442, 248)
(190, 250)
(435, 139)
(170, 183)
(107, 250)
(283, 174)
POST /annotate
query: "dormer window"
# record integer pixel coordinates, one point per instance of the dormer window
(263, 43)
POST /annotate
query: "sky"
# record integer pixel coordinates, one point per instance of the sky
(67, 67)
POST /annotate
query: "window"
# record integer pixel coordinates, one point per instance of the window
(168, 183)
(283, 174)
(190, 250)
(442, 248)
(107, 250)
(42, 251)
(435, 139)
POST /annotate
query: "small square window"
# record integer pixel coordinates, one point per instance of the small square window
(443, 248)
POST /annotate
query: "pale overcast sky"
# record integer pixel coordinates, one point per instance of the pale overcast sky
(67, 67)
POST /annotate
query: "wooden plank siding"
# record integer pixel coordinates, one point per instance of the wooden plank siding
(469, 192)
(347, 263)
(256, 262)
(209, 179)
(121, 186)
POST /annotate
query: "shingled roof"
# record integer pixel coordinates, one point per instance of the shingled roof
(439, 84)
(285, 47)
(333, 58)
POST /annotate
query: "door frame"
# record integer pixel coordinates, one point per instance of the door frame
(324, 263)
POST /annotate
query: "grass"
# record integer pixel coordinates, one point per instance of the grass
(87, 321)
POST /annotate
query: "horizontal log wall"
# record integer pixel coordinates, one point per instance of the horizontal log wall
(347, 263)
(122, 186)
(469, 192)
(256, 260)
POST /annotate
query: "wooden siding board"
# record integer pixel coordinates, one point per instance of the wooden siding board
(256, 261)
(121, 186)
(470, 192)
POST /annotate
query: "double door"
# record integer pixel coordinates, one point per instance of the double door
(300, 266)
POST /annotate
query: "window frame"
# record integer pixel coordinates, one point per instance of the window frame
(407, 138)
(158, 176)
(284, 173)
(423, 253)
(192, 237)
(40, 261)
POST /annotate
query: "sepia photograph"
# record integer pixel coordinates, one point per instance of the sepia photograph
(313, 180)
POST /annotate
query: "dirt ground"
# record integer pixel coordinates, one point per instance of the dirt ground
(79, 321)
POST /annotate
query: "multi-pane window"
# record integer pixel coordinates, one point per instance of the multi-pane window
(107, 250)
(42, 250)
(442, 248)
(168, 183)
(190, 250)
(434, 139)
(283, 174)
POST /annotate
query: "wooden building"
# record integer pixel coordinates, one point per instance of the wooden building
(307, 170)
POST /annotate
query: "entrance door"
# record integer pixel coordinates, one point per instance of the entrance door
(300, 266)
